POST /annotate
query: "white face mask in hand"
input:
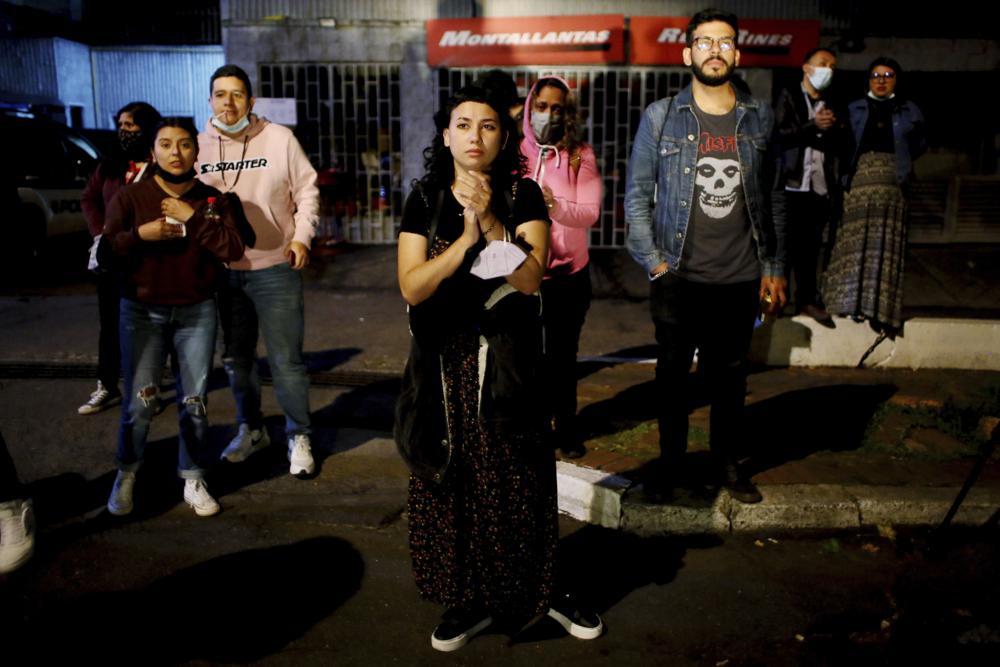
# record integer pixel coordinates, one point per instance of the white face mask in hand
(821, 77)
(498, 259)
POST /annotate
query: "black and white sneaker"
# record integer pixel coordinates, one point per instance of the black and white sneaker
(581, 623)
(457, 627)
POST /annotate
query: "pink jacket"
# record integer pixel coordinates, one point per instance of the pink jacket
(267, 168)
(577, 191)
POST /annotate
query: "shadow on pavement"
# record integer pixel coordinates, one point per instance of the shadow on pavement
(600, 567)
(158, 490)
(795, 424)
(240, 607)
(370, 406)
(317, 361)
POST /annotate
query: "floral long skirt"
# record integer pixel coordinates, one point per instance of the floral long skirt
(485, 537)
(865, 274)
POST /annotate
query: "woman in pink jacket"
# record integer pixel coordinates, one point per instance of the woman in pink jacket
(566, 170)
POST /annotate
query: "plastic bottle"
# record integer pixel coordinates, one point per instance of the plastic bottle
(211, 213)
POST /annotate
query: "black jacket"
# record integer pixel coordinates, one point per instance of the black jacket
(795, 132)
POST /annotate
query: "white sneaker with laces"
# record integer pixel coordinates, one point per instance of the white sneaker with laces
(120, 501)
(17, 534)
(197, 496)
(101, 399)
(245, 443)
(300, 456)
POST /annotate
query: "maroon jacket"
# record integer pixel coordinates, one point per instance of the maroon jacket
(178, 272)
(99, 192)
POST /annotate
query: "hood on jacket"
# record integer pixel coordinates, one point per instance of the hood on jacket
(530, 145)
(257, 125)
(529, 134)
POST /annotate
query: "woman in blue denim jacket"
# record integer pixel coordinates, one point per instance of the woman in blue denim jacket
(865, 276)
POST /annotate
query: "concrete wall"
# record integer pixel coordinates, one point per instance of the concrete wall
(75, 78)
(172, 79)
(28, 68)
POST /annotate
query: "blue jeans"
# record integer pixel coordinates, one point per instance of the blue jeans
(146, 332)
(272, 300)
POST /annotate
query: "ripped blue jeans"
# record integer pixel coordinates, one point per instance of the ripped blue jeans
(145, 330)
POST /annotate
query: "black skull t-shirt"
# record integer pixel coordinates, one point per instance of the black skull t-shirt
(719, 243)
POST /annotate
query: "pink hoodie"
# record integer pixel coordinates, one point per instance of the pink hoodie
(577, 193)
(267, 168)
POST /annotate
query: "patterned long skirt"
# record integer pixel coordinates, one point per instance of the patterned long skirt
(865, 274)
(485, 536)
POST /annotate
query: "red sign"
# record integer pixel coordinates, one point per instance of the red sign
(537, 40)
(659, 40)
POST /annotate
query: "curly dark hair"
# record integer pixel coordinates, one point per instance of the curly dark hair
(439, 164)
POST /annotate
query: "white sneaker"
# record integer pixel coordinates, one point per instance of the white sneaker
(17, 534)
(120, 501)
(101, 399)
(300, 456)
(197, 496)
(245, 443)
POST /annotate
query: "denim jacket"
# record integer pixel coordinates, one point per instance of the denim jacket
(661, 181)
(907, 131)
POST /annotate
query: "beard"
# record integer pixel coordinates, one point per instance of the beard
(713, 79)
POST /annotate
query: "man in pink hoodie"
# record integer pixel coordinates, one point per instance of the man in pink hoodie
(566, 170)
(265, 166)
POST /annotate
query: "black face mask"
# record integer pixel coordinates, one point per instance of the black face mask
(131, 141)
(173, 178)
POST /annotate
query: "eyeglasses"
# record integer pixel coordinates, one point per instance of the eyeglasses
(875, 76)
(705, 43)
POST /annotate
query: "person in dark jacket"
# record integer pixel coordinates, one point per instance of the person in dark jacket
(809, 129)
(865, 277)
(169, 236)
(130, 164)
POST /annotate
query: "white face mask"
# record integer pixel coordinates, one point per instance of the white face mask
(548, 127)
(821, 77)
(235, 128)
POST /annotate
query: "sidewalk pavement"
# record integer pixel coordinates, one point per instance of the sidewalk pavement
(808, 442)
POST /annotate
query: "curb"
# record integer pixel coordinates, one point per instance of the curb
(64, 369)
(610, 501)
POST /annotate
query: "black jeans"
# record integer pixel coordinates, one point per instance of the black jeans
(10, 486)
(109, 360)
(718, 321)
(808, 214)
(565, 301)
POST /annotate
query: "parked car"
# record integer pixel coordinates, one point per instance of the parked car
(49, 166)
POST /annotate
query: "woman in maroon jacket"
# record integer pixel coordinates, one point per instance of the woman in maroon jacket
(136, 122)
(169, 236)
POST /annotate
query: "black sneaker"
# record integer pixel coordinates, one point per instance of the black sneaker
(740, 487)
(457, 627)
(580, 623)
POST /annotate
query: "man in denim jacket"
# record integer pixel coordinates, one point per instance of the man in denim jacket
(701, 187)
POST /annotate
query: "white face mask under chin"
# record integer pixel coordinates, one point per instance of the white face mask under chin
(821, 77)
(235, 128)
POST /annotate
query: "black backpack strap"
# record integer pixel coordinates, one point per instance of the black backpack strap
(435, 215)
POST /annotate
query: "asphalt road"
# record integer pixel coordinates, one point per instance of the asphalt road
(317, 572)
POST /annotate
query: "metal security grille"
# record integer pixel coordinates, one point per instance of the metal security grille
(611, 102)
(349, 125)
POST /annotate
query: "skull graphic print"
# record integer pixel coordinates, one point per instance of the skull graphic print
(717, 180)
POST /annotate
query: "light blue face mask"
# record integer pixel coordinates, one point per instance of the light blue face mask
(235, 128)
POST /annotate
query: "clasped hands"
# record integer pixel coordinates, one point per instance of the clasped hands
(162, 230)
